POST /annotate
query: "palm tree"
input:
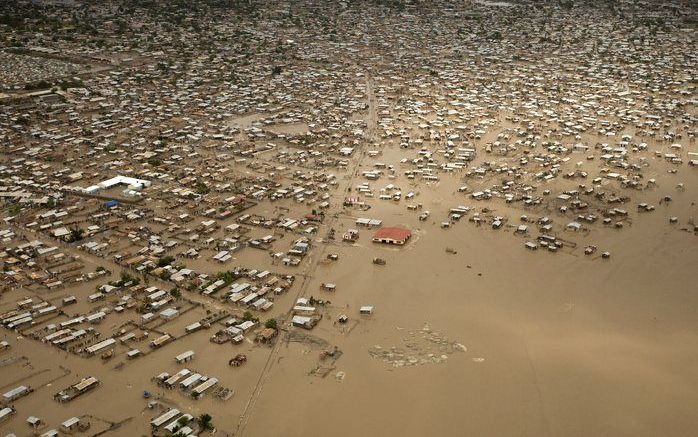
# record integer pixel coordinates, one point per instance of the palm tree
(76, 234)
(206, 421)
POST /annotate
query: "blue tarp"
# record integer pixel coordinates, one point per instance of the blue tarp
(111, 203)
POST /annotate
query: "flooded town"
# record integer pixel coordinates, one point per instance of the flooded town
(325, 217)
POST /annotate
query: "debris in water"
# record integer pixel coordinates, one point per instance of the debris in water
(418, 348)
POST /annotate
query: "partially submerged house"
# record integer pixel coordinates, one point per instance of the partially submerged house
(392, 235)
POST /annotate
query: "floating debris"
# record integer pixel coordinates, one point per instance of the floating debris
(420, 347)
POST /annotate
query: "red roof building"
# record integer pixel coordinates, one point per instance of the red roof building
(390, 235)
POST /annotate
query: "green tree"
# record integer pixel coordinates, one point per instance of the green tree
(206, 421)
(271, 323)
(201, 188)
(165, 261)
(76, 234)
(126, 278)
(227, 276)
(14, 209)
